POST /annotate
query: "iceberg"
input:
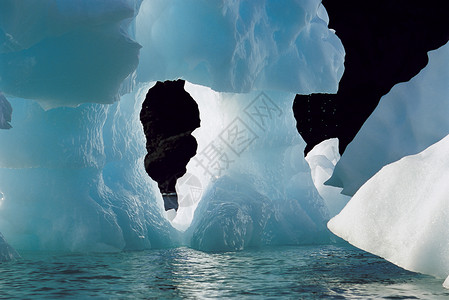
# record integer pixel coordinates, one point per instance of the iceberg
(395, 168)
(386, 42)
(401, 213)
(71, 169)
(74, 179)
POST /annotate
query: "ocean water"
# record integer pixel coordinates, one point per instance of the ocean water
(302, 272)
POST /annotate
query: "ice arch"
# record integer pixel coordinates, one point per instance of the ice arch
(72, 178)
(256, 188)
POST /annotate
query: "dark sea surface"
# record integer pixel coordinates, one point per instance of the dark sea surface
(300, 272)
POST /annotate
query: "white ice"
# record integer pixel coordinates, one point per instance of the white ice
(322, 160)
(63, 53)
(402, 213)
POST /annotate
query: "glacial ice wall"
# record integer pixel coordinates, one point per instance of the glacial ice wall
(411, 117)
(402, 213)
(71, 173)
(73, 179)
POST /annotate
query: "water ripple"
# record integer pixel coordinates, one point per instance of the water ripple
(330, 272)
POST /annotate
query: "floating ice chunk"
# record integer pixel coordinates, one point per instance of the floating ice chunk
(402, 213)
(411, 117)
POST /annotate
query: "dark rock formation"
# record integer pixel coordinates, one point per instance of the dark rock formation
(5, 113)
(169, 115)
(386, 42)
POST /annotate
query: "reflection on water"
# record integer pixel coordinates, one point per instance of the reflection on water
(330, 272)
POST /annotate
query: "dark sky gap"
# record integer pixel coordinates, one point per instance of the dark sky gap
(386, 43)
(169, 115)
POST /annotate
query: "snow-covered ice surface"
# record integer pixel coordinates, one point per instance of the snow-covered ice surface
(402, 213)
(411, 117)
